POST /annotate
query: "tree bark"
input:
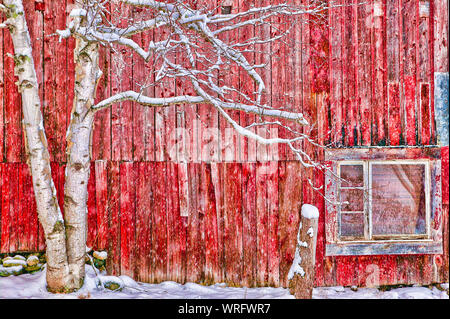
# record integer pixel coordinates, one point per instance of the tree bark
(38, 157)
(87, 74)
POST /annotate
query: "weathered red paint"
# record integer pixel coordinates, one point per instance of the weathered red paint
(241, 218)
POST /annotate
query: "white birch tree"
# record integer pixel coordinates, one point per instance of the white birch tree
(197, 34)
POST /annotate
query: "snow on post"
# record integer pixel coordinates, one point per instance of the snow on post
(301, 274)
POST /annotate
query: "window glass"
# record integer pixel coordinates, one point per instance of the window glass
(352, 225)
(352, 175)
(398, 199)
(352, 199)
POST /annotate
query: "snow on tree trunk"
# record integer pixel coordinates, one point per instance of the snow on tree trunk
(38, 157)
(301, 273)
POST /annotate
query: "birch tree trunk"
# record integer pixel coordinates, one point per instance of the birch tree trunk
(48, 209)
(87, 74)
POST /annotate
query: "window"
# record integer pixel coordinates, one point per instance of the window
(383, 202)
(374, 192)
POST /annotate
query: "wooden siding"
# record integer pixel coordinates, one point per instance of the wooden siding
(170, 200)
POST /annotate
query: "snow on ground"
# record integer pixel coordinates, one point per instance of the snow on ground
(33, 286)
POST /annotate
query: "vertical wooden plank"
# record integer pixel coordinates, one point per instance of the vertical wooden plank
(445, 267)
(101, 195)
(348, 74)
(217, 180)
(208, 124)
(297, 80)
(6, 218)
(393, 40)
(233, 223)
(61, 82)
(33, 225)
(290, 196)
(263, 57)
(50, 107)
(336, 77)
(149, 112)
(262, 225)
(379, 115)
(367, 273)
(138, 85)
(121, 80)
(113, 262)
(144, 200)
(163, 88)
(13, 144)
(21, 210)
(408, 68)
(439, 59)
(388, 270)
(329, 270)
(424, 72)
(2, 185)
(176, 228)
(186, 137)
(70, 65)
(346, 270)
(208, 207)
(403, 265)
(92, 234)
(159, 221)
(331, 211)
(320, 243)
(440, 26)
(195, 244)
(274, 235)
(278, 82)
(2, 98)
(393, 70)
(247, 86)
(101, 136)
(127, 218)
(424, 266)
(14, 214)
(209, 133)
(395, 127)
(365, 29)
(425, 119)
(249, 224)
(230, 142)
(445, 213)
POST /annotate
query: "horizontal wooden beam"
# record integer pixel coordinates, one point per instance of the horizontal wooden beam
(385, 248)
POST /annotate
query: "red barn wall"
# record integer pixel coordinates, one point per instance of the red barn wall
(166, 210)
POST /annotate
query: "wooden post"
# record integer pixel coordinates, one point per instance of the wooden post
(301, 274)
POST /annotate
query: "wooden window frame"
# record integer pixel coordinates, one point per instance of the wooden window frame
(429, 243)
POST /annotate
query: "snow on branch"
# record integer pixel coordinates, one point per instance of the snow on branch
(167, 101)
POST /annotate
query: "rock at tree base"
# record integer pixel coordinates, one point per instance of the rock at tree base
(33, 268)
(19, 257)
(8, 271)
(14, 262)
(32, 261)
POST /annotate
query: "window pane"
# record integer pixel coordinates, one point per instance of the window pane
(352, 175)
(355, 199)
(352, 225)
(398, 199)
